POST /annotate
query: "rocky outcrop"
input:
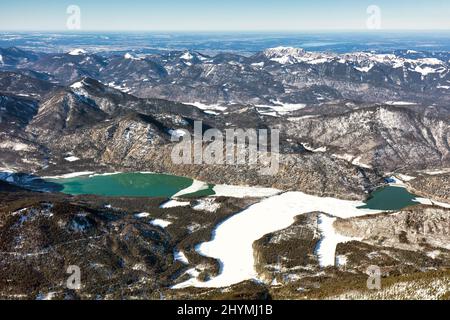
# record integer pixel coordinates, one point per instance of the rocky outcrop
(436, 187)
(386, 137)
(288, 255)
(420, 229)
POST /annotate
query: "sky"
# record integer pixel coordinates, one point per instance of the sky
(224, 15)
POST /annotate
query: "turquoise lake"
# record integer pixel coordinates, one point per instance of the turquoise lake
(128, 185)
(162, 185)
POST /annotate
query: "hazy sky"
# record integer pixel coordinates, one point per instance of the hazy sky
(226, 15)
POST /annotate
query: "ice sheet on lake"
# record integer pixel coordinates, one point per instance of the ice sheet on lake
(194, 187)
(233, 240)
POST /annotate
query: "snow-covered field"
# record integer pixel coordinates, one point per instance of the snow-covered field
(233, 240)
(436, 172)
(243, 191)
(326, 249)
(430, 202)
(194, 187)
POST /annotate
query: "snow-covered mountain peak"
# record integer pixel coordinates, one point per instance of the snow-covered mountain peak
(361, 61)
(129, 56)
(279, 52)
(79, 84)
(284, 55)
(431, 61)
(77, 52)
(187, 56)
(289, 55)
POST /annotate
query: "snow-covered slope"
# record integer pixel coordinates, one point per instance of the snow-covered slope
(363, 61)
(233, 239)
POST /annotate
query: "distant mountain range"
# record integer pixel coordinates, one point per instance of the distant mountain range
(357, 115)
(275, 76)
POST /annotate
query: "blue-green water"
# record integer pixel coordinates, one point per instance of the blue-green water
(162, 185)
(390, 198)
(128, 184)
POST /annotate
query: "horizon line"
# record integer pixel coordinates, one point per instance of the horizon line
(375, 31)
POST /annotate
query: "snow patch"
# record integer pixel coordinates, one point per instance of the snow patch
(202, 106)
(160, 223)
(320, 149)
(142, 215)
(244, 191)
(424, 70)
(405, 177)
(208, 205)
(326, 248)
(174, 204)
(433, 254)
(436, 172)
(297, 119)
(357, 162)
(177, 133)
(46, 296)
(441, 204)
(365, 69)
(187, 56)
(282, 108)
(258, 64)
(400, 103)
(70, 175)
(347, 157)
(194, 187)
(77, 85)
(105, 174)
(77, 52)
(341, 260)
(180, 256)
(72, 159)
(193, 273)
